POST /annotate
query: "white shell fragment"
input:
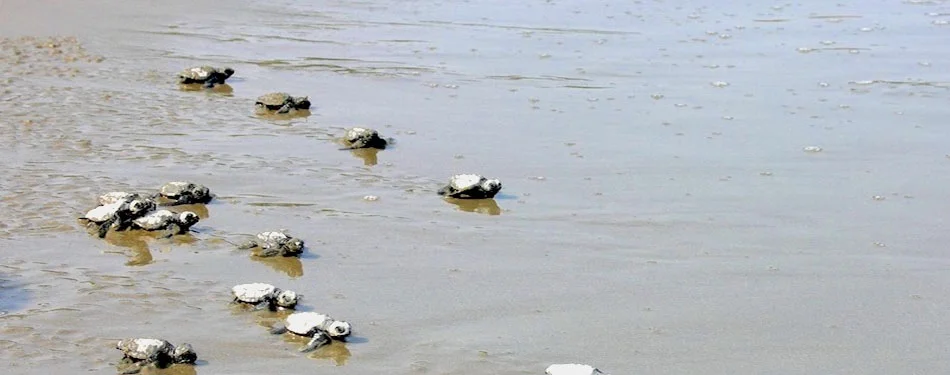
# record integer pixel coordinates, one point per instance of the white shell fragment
(572, 369)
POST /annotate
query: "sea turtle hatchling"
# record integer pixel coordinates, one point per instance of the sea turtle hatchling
(184, 192)
(118, 215)
(320, 327)
(358, 137)
(263, 295)
(572, 369)
(280, 102)
(274, 243)
(206, 75)
(470, 186)
(140, 352)
(164, 220)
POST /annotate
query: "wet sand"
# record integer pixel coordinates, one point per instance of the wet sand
(659, 214)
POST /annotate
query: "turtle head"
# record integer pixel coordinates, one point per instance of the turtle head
(295, 245)
(184, 353)
(201, 193)
(188, 218)
(287, 299)
(139, 206)
(302, 102)
(491, 187)
(228, 72)
(339, 329)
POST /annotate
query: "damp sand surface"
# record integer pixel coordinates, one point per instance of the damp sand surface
(689, 187)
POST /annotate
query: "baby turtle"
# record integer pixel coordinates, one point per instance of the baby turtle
(273, 244)
(470, 186)
(571, 369)
(141, 352)
(363, 138)
(264, 295)
(310, 324)
(206, 75)
(117, 215)
(280, 102)
(165, 220)
(184, 192)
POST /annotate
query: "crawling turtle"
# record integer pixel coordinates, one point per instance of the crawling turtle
(273, 244)
(184, 192)
(470, 186)
(310, 324)
(355, 138)
(117, 215)
(206, 75)
(141, 352)
(165, 220)
(572, 369)
(280, 102)
(264, 295)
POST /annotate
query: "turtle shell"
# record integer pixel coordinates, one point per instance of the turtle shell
(304, 323)
(156, 220)
(274, 99)
(116, 196)
(176, 188)
(198, 73)
(253, 293)
(465, 182)
(144, 348)
(273, 237)
(105, 212)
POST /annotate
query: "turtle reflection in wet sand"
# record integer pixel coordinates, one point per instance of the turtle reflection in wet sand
(281, 103)
(140, 352)
(207, 76)
(274, 243)
(482, 206)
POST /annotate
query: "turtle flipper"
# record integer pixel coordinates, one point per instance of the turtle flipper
(278, 329)
(446, 190)
(170, 231)
(285, 108)
(210, 82)
(261, 305)
(247, 245)
(104, 227)
(319, 339)
(269, 252)
(132, 367)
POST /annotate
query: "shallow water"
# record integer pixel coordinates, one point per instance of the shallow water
(660, 212)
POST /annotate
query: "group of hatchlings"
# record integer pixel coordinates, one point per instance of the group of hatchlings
(121, 211)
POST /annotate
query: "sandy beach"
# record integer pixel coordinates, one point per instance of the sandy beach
(689, 188)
